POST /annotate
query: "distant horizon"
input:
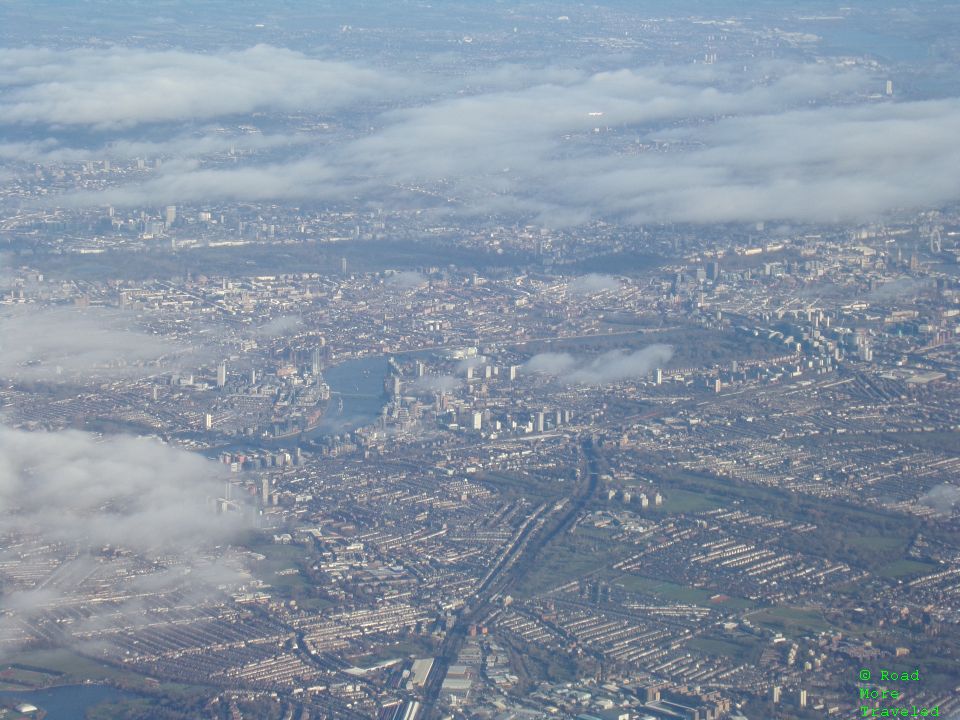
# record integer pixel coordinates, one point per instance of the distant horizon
(479, 360)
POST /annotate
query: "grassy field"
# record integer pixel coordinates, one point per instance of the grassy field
(937, 671)
(535, 488)
(791, 621)
(880, 543)
(683, 501)
(903, 569)
(868, 538)
(558, 565)
(274, 570)
(60, 667)
(48, 668)
(746, 650)
(673, 592)
(946, 441)
(570, 558)
(19, 677)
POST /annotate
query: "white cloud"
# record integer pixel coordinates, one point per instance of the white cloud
(436, 383)
(593, 283)
(469, 363)
(120, 87)
(551, 363)
(943, 498)
(790, 143)
(122, 513)
(405, 279)
(610, 367)
(279, 327)
(129, 492)
(203, 142)
(308, 178)
(899, 289)
(78, 344)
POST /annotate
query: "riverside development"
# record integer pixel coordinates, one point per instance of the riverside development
(475, 360)
(518, 500)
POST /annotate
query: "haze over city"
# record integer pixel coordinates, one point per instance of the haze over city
(497, 360)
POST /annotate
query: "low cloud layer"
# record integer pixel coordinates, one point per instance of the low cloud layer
(205, 141)
(943, 498)
(120, 87)
(593, 283)
(900, 289)
(779, 142)
(610, 367)
(405, 279)
(436, 384)
(467, 364)
(124, 514)
(533, 152)
(77, 344)
(134, 493)
(278, 327)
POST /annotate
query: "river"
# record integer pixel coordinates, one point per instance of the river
(359, 384)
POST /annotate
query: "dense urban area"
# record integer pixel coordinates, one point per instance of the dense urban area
(384, 456)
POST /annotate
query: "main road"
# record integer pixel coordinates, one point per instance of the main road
(534, 536)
